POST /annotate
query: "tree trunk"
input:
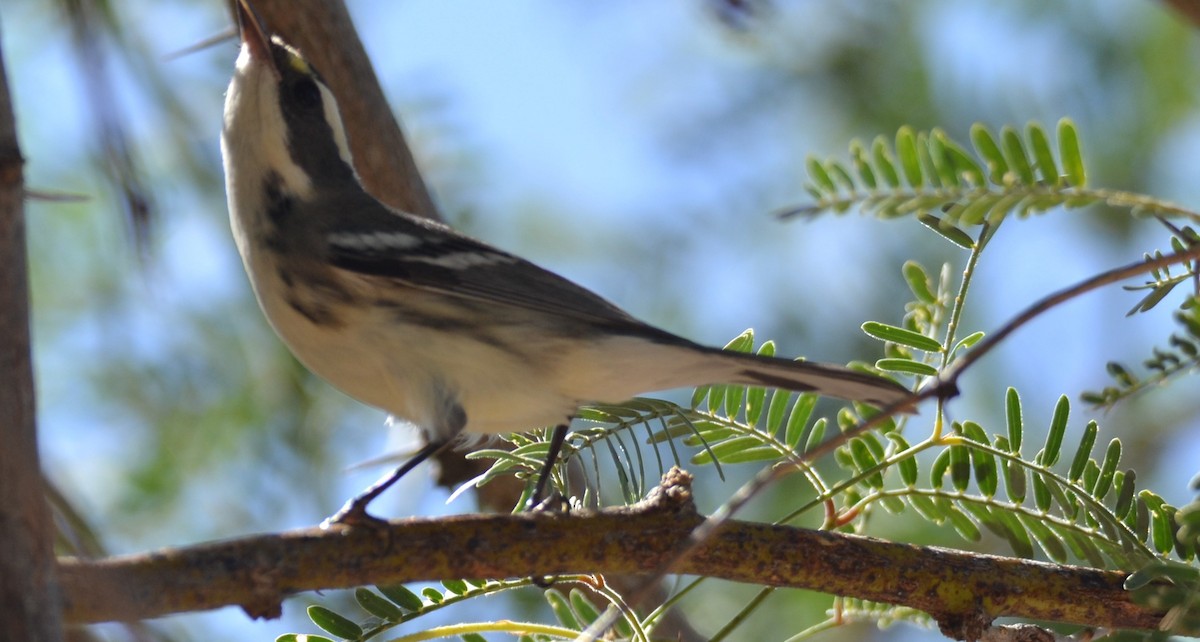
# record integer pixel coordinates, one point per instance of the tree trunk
(29, 589)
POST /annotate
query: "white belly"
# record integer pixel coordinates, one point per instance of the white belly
(410, 370)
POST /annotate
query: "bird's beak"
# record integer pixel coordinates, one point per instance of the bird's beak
(254, 34)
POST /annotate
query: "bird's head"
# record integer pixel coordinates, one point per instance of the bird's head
(281, 121)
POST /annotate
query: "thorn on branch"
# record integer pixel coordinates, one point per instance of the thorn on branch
(970, 625)
(266, 601)
(673, 494)
(1021, 633)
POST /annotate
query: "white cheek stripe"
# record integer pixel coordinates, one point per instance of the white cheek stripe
(334, 118)
(254, 139)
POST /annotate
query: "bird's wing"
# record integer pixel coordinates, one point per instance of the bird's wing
(428, 255)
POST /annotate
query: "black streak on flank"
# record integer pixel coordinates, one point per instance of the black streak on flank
(473, 329)
(317, 314)
(451, 418)
(279, 205)
(310, 297)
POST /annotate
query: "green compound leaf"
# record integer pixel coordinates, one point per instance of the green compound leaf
(1046, 539)
(919, 282)
(885, 163)
(1162, 530)
(964, 165)
(562, 609)
(906, 366)
(921, 174)
(961, 523)
(739, 450)
(937, 472)
(862, 165)
(775, 411)
(819, 177)
(1012, 414)
(946, 230)
(734, 396)
(1041, 493)
(909, 471)
(1018, 538)
(977, 210)
(902, 336)
(989, 151)
(403, 597)
(939, 158)
(960, 468)
(817, 435)
(892, 504)
(1014, 153)
(1126, 488)
(798, 419)
(333, 623)
(968, 341)
(377, 606)
(756, 402)
(926, 507)
(585, 610)
(1072, 158)
(1084, 451)
(841, 175)
(1015, 481)
(1160, 570)
(865, 460)
(910, 159)
(1083, 547)
(1112, 457)
(1043, 157)
(983, 462)
(1054, 438)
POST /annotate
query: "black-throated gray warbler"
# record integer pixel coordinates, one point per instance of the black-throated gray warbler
(411, 316)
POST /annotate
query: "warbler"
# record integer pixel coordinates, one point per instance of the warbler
(413, 317)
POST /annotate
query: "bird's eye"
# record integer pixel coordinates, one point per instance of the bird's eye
(305, 93)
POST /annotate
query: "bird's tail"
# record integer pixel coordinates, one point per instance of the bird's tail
(622, 367)
(801, 376)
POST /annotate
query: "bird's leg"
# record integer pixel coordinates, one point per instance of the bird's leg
(354, 513)
(535, 500)
(556, 442)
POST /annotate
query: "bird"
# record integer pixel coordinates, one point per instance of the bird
(413, 317)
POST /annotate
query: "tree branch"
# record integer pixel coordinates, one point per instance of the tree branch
(1189, 9)
(28, 589)
(963, 591)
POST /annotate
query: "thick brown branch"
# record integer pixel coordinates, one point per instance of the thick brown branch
(258, 572)
(1190, 9)
(28, 591)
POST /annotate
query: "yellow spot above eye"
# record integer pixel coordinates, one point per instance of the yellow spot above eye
(294, 59)
(299, 64)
